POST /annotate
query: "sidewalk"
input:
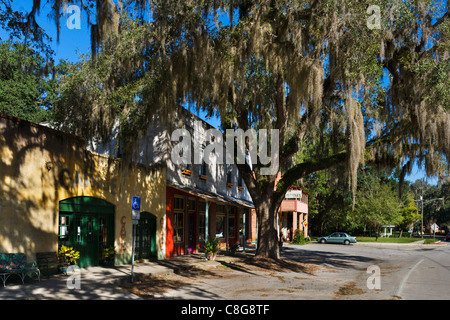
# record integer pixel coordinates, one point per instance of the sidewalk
(101, 283)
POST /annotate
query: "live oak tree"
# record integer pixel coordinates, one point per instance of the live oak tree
(317, 71)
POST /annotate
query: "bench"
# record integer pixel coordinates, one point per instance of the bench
(49, 259)
(16, 263)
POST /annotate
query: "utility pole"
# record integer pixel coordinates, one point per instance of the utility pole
(421, 211)
(421, 199)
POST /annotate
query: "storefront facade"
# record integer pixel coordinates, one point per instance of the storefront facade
(193, 215)
(293, 214)
(54, 192)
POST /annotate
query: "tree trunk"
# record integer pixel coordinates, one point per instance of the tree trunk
(267, 230)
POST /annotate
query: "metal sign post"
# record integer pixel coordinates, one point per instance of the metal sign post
(135, 215)
(435, 228)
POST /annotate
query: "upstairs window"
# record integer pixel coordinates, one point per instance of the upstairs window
(202, 168)
(229, 174)
(240, 184)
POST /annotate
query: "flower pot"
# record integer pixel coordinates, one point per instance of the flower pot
(186, 172)
(212, 256)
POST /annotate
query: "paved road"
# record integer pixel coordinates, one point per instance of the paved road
(406, 272)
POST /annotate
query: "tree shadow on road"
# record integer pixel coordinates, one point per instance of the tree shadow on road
(325, 258)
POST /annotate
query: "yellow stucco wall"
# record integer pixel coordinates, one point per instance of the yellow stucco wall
(40, 167)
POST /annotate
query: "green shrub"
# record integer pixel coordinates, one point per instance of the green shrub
(299, 238)
(211, 247)
(68, 254)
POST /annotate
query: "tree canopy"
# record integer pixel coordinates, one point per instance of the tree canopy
(27, 90)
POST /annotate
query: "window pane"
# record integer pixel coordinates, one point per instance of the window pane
(178, 227)
(179, 203)
(201, 227)
(231, 227)
(220, 226)
(202, 206)
(220, 208)
(192, 204)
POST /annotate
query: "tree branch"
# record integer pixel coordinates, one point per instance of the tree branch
(302, 169)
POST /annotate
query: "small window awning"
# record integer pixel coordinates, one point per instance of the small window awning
(210, 196)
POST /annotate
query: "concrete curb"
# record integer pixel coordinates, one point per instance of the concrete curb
(419, 243)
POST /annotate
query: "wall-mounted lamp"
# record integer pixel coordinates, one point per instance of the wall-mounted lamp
(49, 165)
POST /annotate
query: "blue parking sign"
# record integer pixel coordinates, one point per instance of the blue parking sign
(136, 203)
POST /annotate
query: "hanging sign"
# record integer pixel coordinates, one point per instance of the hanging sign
(293, 194)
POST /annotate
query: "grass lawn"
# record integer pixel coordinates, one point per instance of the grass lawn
(390, 240)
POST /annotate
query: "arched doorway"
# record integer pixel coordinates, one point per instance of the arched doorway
(146, 237)
(87, 224)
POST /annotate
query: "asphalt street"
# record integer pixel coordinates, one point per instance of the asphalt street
(404, 272)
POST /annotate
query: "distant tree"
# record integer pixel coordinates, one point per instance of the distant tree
(376, 204)
(28, 84)
(409, 212)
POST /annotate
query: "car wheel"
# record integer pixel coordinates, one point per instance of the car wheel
(346, 242)
(323, 241)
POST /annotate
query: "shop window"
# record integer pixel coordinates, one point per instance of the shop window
(220, 226)
(220, 209)
(179, 203)
(202, 206)
(201, 220)
(178, 219)
(201, 226)
(231, 227)
(79, 239)
(178, 227)
(64, 229)
(192, 205)
(220, 221)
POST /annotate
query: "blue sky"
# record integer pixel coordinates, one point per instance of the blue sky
(73, 42)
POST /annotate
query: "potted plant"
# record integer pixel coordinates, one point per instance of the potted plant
(68, 256)
(211, 248)
(109, 254)
(233, 248)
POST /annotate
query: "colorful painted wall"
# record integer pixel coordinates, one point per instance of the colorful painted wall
(40, 166)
